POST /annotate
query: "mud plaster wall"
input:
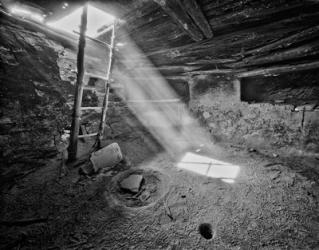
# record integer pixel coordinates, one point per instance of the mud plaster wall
(216, 102)
(33, 98)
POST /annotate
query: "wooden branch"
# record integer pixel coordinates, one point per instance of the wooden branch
(170, 70)
(180, 17)
(194, 10)
(214, 71)
(306, 34)
(279, 69)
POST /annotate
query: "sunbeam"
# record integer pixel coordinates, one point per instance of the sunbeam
(155, 103)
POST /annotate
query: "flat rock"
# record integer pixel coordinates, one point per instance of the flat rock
(106, 157)
(132, 183)
(206, 115)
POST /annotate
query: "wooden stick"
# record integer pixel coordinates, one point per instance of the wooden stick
(73, 148)
(214, 71)
(88, 135)
(91, 108)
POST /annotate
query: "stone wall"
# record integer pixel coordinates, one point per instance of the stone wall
(215, 99)
(33, 110)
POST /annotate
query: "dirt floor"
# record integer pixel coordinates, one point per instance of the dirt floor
(272, 204)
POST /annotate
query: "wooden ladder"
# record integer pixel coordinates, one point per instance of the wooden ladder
(76, 118)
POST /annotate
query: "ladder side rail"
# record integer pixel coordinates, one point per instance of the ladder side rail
(107, 89)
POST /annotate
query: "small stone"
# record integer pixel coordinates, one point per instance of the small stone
(145, 196)
(212, 125)
(86, 169)
(132, 183)
(206, 115)
(108, 173)
(275, 175)
(107, 157)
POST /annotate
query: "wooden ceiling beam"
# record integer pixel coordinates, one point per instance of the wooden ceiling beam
(286, 42)
(279, 69)
(307, 50)
(196, 13)
(174, 9)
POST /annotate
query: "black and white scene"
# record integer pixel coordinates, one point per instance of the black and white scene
(159, 124)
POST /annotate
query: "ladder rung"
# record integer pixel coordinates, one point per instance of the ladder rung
(88, 135)
(95, 40)
(106, 30)
(96, 76)
(116, 86)
(89, 87)
(90, 108)
(155, 101)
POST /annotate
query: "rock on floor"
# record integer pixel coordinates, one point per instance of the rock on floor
(132, 183)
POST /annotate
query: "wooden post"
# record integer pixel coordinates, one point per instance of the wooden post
(107, 90)
(73, 147)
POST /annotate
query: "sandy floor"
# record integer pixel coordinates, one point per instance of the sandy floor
(272, 204)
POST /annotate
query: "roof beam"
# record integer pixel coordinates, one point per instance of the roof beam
(279, 70)
(174, 9)
(195, 12)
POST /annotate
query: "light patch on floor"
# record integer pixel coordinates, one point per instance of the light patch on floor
(207, 166)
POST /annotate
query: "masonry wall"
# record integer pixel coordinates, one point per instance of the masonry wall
(215, 99)
(33, 99)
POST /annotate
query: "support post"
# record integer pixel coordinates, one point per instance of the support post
(73, 147)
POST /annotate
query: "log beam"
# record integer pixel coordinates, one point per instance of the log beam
(310, 49)
(180, 17)
(306, 34)
(279, 69)
(195, 12)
